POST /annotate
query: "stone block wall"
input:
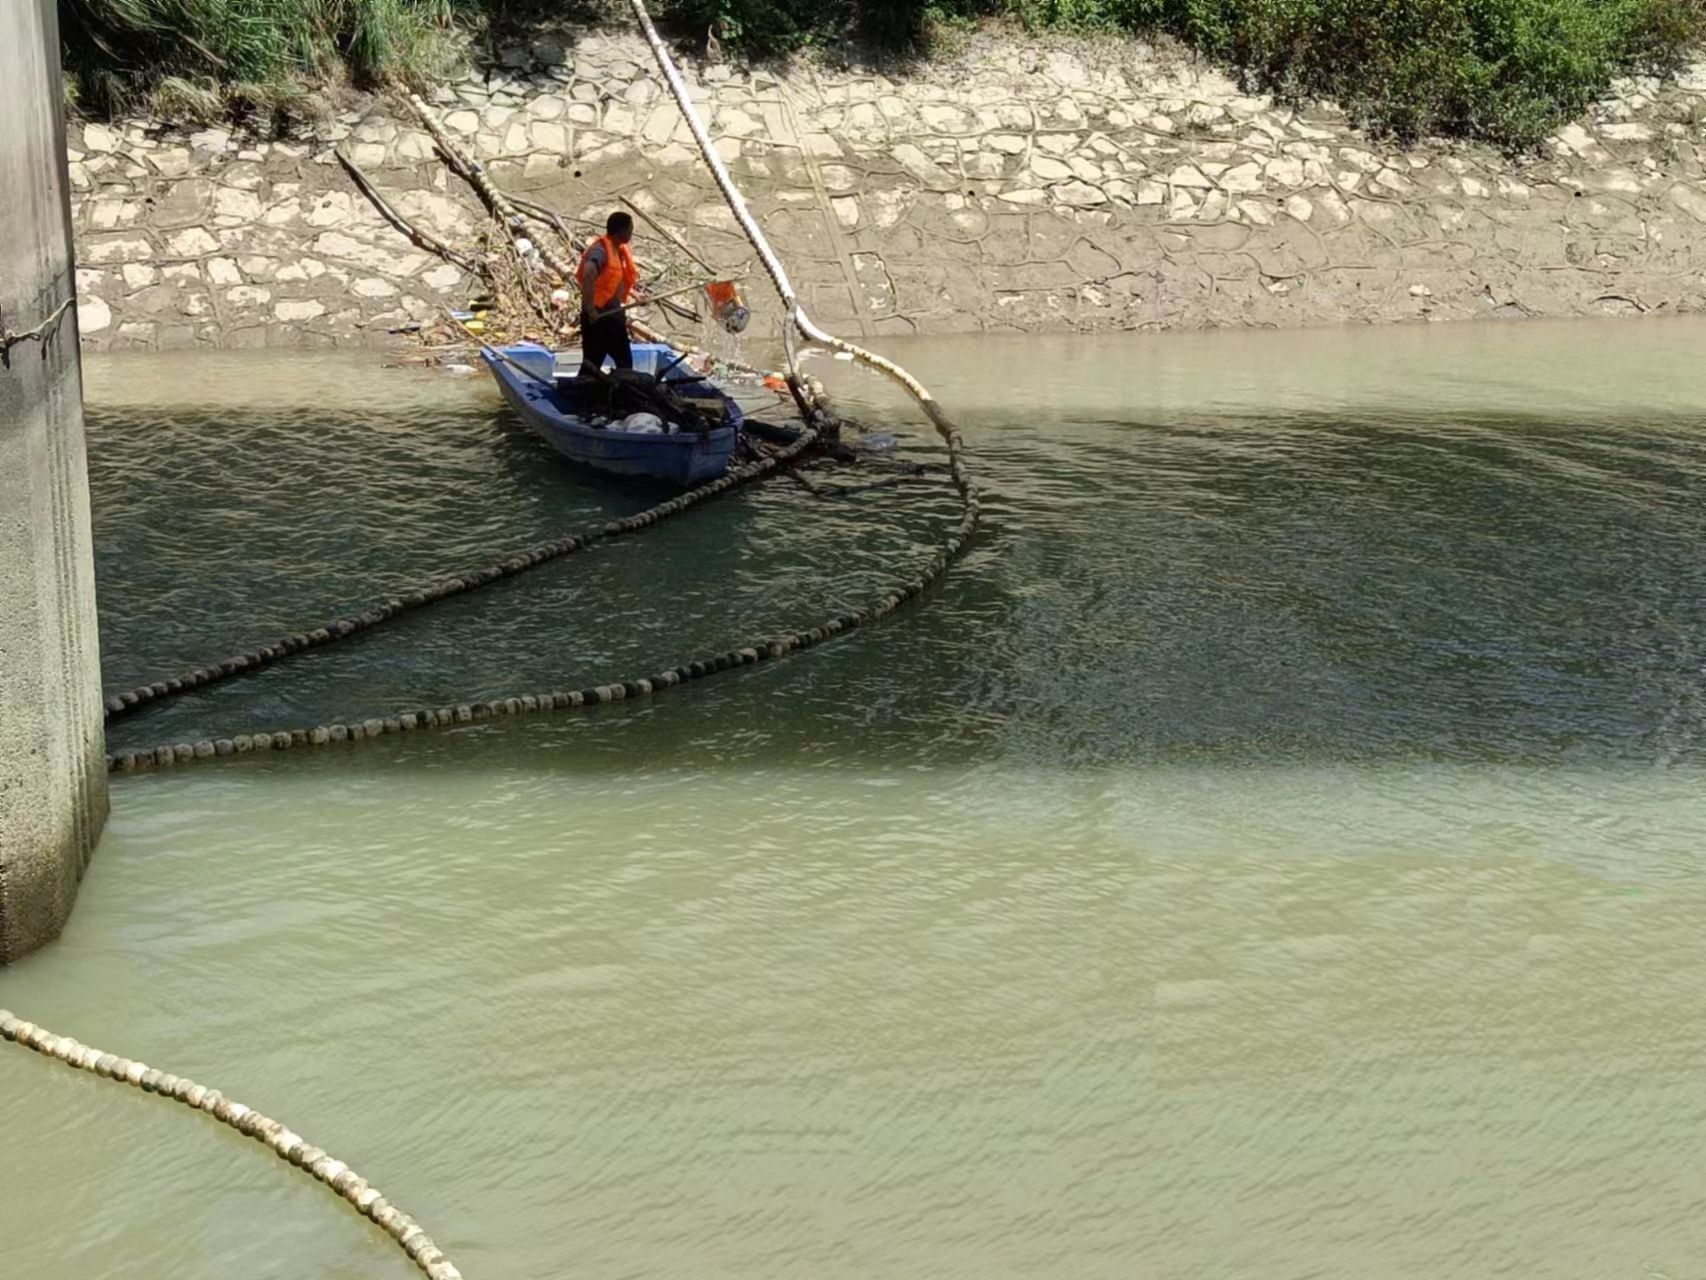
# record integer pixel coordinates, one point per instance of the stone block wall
(1019, 186)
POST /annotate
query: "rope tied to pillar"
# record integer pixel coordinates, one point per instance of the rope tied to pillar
(43, 333)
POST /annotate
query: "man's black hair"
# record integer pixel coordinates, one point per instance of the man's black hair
(618, 224)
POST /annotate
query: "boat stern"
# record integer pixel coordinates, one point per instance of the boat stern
(540, 361)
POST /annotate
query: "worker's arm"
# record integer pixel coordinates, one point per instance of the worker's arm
(590, 268)
(588, 277)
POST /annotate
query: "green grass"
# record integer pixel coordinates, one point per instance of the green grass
(1505, 71)
(199, 57)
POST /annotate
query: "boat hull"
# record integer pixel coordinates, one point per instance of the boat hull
(550, 407)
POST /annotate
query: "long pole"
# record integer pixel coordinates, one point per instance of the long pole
(659, 297)
(796, 316)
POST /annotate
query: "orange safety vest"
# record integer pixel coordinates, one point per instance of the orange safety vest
(618, 278)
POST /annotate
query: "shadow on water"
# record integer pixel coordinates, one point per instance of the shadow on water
(1246, 588)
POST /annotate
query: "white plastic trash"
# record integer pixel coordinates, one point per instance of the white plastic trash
(643, 424)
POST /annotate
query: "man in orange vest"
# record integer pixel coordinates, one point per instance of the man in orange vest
(607, 279)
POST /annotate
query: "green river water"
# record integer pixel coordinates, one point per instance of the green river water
(1276, 850)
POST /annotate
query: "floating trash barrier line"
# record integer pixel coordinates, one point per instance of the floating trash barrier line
(178, 753)
(527, 558)
(362, 1195)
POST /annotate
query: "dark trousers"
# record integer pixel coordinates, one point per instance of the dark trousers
(606, 336)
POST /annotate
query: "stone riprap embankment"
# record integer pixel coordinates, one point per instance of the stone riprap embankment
(1017, 186)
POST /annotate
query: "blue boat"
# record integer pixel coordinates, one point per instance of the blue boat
(560, 408)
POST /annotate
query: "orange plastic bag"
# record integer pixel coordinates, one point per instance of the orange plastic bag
(726, 307)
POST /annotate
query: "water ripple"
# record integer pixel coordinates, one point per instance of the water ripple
(1275, 850)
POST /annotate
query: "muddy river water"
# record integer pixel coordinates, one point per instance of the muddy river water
(1278, 849)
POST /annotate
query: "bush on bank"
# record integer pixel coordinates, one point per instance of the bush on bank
(1505, 71)
(198, 58)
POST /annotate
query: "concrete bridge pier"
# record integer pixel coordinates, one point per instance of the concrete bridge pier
(53, 793)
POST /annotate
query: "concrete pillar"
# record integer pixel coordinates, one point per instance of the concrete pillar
(53, 793)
